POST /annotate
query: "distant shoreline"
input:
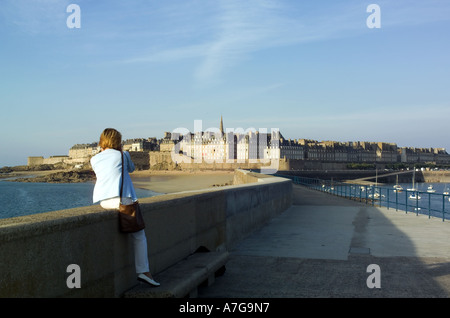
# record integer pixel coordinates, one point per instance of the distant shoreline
(160, 181)
(26, 174)
(50, 176)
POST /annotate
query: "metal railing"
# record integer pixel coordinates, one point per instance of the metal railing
(432, 204)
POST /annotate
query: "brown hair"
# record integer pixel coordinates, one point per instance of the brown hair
(110, 138)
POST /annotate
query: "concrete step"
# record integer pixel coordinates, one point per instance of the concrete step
(183, 279)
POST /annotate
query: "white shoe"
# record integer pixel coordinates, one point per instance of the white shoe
(148, 280)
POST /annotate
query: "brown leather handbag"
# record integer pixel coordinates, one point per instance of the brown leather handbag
(130, 216)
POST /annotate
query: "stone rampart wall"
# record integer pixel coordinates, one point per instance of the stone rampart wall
(141, 159)
(35, 161)
(37, 250)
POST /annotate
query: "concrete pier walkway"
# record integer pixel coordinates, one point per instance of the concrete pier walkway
(323, 246)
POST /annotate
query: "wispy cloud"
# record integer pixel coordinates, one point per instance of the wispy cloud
(217, 35)
(232, 30)
(175, 54)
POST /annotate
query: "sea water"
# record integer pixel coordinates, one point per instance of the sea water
(433, 204)
(26, 198)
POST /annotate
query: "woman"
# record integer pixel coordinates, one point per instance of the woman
(107, 166)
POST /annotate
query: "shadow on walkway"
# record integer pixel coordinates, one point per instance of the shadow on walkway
(323, 245)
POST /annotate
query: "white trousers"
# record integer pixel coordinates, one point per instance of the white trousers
(139, 238)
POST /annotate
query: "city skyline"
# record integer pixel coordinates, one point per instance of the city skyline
(220, 135)
(313, 70)
(232, 149)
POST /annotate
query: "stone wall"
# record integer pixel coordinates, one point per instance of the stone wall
(36, 250)
(35, 161)
(141, 159)
(436, 176)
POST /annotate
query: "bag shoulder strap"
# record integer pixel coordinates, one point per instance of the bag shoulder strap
(121, 184)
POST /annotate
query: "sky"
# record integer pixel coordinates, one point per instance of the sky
(312, 69)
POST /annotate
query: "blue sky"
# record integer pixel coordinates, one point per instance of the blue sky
(313, 69)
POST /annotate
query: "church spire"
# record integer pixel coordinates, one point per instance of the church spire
(221, 125)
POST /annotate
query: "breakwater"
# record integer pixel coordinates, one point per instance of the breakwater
(382, 176)
(38, 251)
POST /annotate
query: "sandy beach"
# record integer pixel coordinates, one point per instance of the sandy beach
(178, 181)
(160, 181)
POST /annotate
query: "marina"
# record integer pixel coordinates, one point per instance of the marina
(432, 199)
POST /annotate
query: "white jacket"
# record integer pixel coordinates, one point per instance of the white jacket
(107, 166)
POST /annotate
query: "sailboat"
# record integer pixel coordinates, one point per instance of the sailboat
(446, 192)
(415, 195)
(397, 187)
(414, 176)
(376, 194)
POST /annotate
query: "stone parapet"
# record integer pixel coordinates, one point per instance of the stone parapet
(36, 250)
